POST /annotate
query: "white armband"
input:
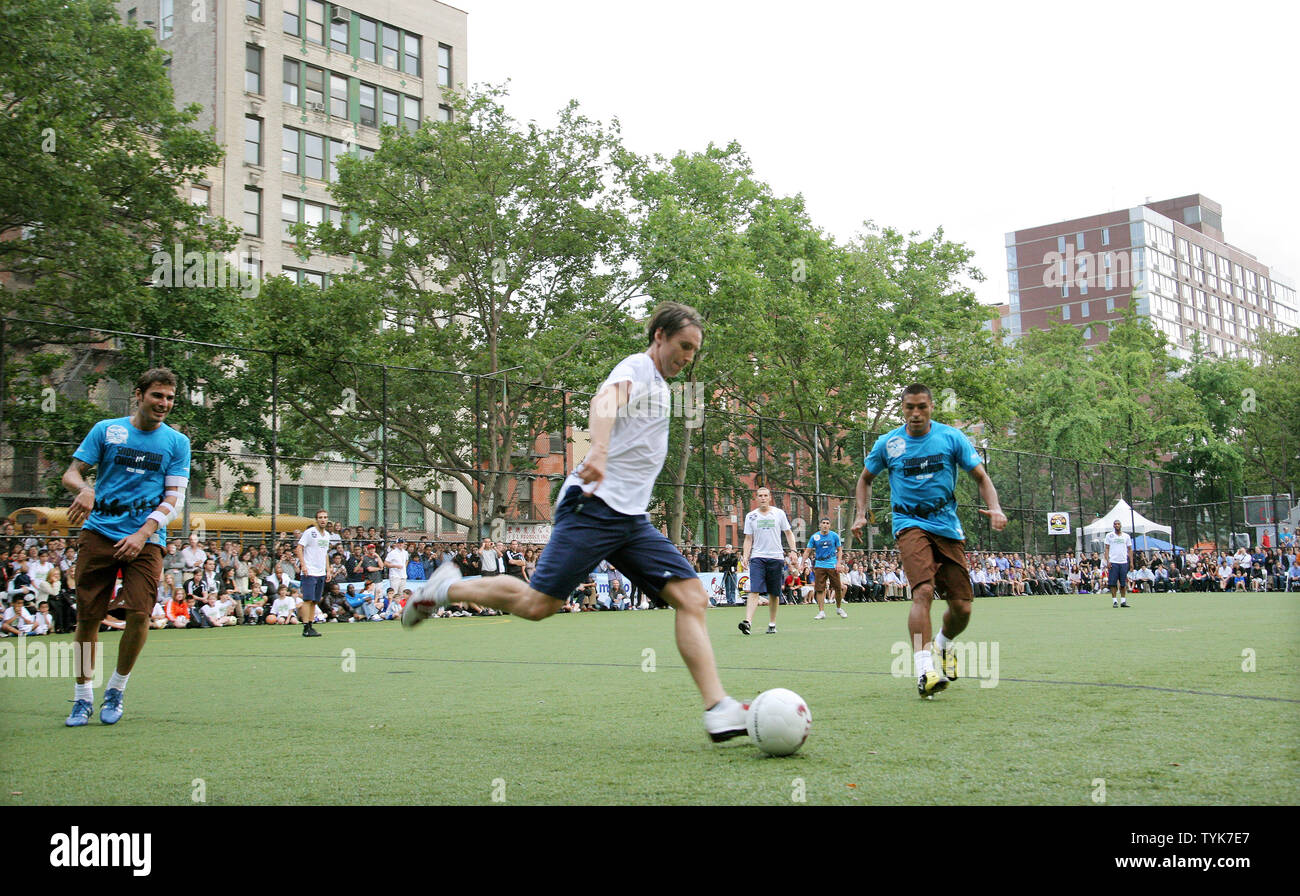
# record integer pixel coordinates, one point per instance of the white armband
(173, 500)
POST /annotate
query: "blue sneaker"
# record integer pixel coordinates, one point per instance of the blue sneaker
(111, 711)
(81, 710)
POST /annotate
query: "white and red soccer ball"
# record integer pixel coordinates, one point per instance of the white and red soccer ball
(778, 721)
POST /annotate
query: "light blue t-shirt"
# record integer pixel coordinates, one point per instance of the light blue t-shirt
(824, 549)
(133, 467)
(923, 476)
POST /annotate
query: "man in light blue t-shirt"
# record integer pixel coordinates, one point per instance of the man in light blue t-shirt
(922, 457)
(824, 548)
(143, 467)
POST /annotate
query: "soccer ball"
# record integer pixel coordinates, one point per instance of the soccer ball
(778, 721)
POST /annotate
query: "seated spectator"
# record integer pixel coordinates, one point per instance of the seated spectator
(232, 607)
(177, 609)
(198, 618)
(355, 603)
(42, 621)
(254, 603)
(215, 613)
(283, 610)
(158, 616)
(16, 619)
(1293, 573)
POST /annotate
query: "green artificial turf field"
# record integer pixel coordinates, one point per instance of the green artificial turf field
(1148, 705)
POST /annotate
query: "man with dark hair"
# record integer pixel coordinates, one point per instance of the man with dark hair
(763, 558)
(601, 514)
(312, 552)
(922, 457)
(143, 469)
(824, 549)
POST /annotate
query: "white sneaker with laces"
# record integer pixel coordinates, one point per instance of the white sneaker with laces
(840, 612)
(430, 597)
(725, 720)
(820, 615)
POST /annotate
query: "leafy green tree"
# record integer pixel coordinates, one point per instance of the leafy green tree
(483, 247)
(94, 157)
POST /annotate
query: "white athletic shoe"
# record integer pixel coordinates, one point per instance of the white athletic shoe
(820, 615)
(726, 720)
(430, 597)
(840, 612)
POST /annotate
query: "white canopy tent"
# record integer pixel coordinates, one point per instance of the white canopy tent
(1130, 521)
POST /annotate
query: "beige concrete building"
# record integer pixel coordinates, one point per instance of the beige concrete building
(289, 86)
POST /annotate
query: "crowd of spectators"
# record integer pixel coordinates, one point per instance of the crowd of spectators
(208, 584)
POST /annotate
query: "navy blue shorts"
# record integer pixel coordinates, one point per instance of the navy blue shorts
(313, 587)
(586, 530)
(1118, 576)
(766, 575)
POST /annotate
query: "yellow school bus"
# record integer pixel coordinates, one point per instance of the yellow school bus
(222, 526)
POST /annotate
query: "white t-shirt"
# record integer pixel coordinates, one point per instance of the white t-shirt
(490, 560)
(193, 557)
(23, 623)
(397, 555)
(766, 529)
(638, 442)
(315, 546)
(1117, 546)
(283, 606)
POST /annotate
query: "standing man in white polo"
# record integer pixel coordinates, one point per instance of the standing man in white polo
(763, 555)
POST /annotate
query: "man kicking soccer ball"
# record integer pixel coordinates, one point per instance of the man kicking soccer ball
(922, 458)
(601, 514)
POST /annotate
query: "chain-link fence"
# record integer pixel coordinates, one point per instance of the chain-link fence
(447, 456)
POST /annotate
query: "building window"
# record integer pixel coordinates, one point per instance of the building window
(292, 24)
(448, 503)
(253, 9)
(131, 15)
(338, 96)
(444, 65)
(253, 140)
(390, 46)
(340, 24)
(1060, 244)
(1078, 240)
(1065, 312)
(291, 155)
(315, 88)
(444, 113)
(1083, 309)
(411, 56)
(1087, 333)
(1105, 236)
(366, 105)
(411, 112)
(292, 75)
(556, 443)
(314, 156)
(368, 40)
(253, 69)
(288, 214)
(166, 19)
(252, 211)
(337, 149)
(201, 196)
(390, 107)
(316, 22)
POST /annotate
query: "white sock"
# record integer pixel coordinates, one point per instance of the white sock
(923, 662)
(118, 680)
(942, 641)
(84, 692)
(440, 593)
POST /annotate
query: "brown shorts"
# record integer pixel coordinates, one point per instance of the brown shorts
(932, 558)
(824, 577)
(97, 577)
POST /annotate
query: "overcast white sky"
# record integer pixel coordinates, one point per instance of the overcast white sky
(981, 118)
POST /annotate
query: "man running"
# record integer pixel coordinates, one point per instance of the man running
(143, 469)
(922, 458)
(824, 549)
(601, 514)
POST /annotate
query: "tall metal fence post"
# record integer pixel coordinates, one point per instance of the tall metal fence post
(275, 442)
(478, 459)
(817, 473)
(4, 385)
(709, 521)
(1078, 484)
(383, 457)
